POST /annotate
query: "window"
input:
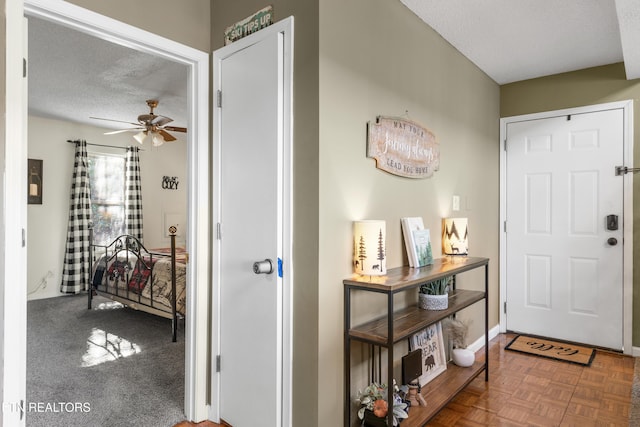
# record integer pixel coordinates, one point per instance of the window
(107, 178)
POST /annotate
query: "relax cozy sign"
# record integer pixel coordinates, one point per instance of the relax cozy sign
(403, 147)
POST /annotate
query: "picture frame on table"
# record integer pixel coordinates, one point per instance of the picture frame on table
(422, 247)
(431, 341)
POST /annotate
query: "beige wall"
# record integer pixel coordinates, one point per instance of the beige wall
(585, 87)
(305, 187)
(186, 22)
(47, 222)
(377, 58)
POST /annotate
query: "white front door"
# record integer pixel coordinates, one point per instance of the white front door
(564, 227)
(251, 180)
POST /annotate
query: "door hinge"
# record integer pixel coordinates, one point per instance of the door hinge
(505, 307)
(218, 363)
(219, 99)
(505, 145)
(24, 67)
(504, 226)
(24, 238)
(218, 231)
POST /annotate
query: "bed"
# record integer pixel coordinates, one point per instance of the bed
(150, 280)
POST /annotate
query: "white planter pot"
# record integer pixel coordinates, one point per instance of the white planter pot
(463, 357)
(433, 302)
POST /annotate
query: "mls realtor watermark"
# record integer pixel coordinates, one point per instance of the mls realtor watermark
(52, 407)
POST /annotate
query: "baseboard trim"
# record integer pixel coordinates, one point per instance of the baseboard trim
(635, 351)
(493, 332)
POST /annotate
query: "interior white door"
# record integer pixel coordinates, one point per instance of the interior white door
(564, 271)
(251, 230)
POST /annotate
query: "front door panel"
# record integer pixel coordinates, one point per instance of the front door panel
(564, 254)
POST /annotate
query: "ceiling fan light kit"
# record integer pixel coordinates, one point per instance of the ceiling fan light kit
(157, 140)
(149, 124)
(140, 137)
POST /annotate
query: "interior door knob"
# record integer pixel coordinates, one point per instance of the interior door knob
(263, 267)
(612, 241)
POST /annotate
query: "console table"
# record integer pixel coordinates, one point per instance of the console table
(395, 326)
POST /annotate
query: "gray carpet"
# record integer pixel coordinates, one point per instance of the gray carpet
(66, 386)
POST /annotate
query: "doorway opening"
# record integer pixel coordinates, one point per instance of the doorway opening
(196, 64)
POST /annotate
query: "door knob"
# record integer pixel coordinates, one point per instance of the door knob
(263, 267)
(612, 241)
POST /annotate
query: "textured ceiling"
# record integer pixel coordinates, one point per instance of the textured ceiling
(512, 40)
(74, 76)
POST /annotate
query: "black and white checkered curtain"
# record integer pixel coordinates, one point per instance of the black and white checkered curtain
(133, 194)
(75, 271)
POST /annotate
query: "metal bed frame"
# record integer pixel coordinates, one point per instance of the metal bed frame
(134, 250)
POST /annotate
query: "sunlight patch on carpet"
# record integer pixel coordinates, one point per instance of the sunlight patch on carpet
(110, 305)
(104, 347)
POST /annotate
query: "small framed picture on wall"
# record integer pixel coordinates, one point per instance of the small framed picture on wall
(34, 182)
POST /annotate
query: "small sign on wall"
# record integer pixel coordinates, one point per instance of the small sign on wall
(170, 182)
(34, 182)
(402, 147)
(259, 20)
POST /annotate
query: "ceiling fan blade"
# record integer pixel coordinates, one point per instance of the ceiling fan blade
(175, 129)
(113, 132)
(112, 120)
(166, 135)
(161, 120)
(145, 118)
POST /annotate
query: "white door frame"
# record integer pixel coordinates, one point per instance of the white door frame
(13, 298)
(286, 28)
(196, 337)
(627, 297)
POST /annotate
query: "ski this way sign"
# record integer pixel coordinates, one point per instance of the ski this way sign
(402, 147)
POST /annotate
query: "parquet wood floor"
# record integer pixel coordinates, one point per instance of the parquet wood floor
(527, 390)
(531, 391)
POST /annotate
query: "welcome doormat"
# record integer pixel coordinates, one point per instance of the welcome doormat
(557, 350)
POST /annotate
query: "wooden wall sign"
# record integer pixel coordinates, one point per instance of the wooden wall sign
(402, 147)
(259, 20)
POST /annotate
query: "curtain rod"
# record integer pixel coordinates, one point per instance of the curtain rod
(103, 145)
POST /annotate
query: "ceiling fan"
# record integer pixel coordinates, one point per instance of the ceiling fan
(149, 125)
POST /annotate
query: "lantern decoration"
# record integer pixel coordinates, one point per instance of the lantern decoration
(455, 236)
(369, 252)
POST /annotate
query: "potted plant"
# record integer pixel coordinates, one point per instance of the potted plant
(458, 331)
(374, 407)
(434, 295)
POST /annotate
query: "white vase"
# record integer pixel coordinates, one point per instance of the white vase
(463, 357)
(433, 302)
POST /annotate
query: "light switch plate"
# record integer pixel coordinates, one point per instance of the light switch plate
(456, 203)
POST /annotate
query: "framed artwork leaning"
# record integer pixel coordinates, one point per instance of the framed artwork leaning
(431, 342)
